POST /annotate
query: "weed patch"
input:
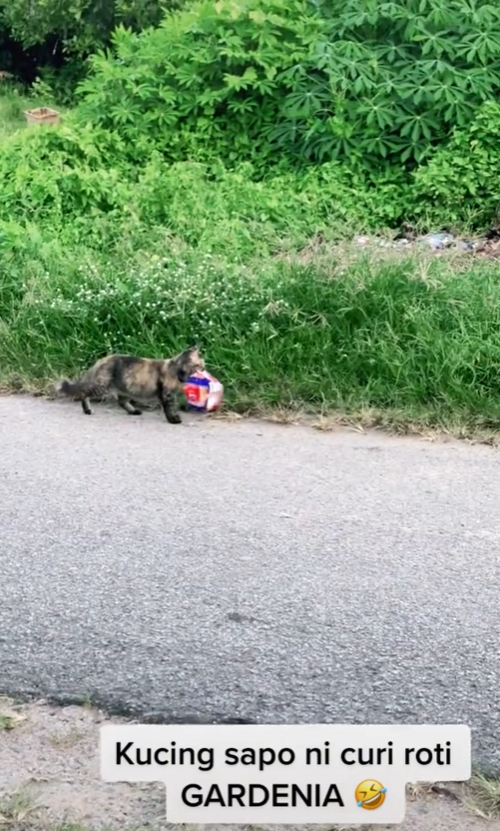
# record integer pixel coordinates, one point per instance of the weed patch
(17, 807)
(10, 715)
(483, 796)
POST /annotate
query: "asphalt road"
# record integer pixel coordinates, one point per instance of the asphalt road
(220, 571)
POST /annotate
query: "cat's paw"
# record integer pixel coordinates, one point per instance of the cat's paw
(174, 418)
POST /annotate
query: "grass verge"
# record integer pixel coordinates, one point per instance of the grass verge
(408, 345)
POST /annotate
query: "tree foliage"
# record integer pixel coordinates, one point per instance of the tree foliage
(310, 80)
(75, 28)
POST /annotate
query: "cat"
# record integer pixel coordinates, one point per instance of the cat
(136, 379)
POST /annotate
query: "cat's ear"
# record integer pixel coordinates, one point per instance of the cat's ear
(193, 351)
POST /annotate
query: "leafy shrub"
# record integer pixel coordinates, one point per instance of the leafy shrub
(227, 212)
(461, 182)
(207, 83)
(73, 176)
(59, 172)
(275, 81)
(391, 80)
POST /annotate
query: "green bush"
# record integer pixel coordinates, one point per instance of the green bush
(227, 212)
(390, 81)
(461, 182)
(208, 83)
(59, 172)
(323, 117)
(72, 176)
(295, 81)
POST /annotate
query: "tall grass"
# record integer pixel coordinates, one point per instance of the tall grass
(380, 335)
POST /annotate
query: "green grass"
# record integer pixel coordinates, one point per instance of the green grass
(13, 103)
(11, 113)
(253, 272)
(375, 336)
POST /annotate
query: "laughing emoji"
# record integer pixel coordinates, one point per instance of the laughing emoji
(370, 794)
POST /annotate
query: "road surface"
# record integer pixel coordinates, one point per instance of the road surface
(221, 571)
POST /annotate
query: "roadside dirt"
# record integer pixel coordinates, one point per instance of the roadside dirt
(49, 779)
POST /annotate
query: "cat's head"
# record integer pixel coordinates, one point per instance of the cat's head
(188, 363)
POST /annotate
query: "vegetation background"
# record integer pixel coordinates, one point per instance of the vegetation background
(212, 160)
